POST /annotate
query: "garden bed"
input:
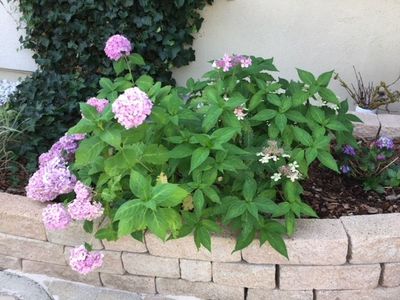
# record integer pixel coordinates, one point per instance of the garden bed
(341, 258)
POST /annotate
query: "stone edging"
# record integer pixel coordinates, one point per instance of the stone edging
(390, 125)
(349, 258)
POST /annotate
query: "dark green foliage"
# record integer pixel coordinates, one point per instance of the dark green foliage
(68, 38)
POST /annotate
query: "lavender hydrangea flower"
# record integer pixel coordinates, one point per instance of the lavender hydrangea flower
(99, 104)
(50, 181)
(384, 142)
(381, 157)
(55, 216)
(132, 108)
(83, 208)
(349, 150)
(117, 46)
(345, 169)
(83, 261)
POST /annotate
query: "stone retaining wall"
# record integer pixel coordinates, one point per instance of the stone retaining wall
(354, 257)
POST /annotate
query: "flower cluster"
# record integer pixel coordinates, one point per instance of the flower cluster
(272, 152)
(384, 143)
(55, 216)
(240, 112)
(228, 62)
(99, 104)
(290, 171)
(319, 102)
(132, 108)
(6, 89)
(117, 46)
(83, 261)
(349, 150)
(82, 207)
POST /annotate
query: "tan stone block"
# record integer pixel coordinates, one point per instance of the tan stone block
(74, 235)
(112, 262)
(391, 275)
(126, 243)
(149, 265)
(137, 284)
(206, 290)
(244, 275)
(31, 249)
(9, 262)
(261, 294)
(375, 294)
(368, 128)
(329, 277)
(373, 238)
(222, 247)
(21, 216)
(316, 242)
(390, 125)
(64, 272)
(195, 270)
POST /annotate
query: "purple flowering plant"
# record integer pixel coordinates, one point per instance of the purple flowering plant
(376, 163)
(228, 150)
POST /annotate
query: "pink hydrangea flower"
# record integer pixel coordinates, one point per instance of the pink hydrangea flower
(83, 208)
(240, 112)
(50, 181)
(55, 216)
(227, 62)
(63, 148)
(83, 261)
(132, 108)
(99, 104)
(117, 46)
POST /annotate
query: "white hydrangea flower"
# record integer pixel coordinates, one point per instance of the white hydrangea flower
(276, 177)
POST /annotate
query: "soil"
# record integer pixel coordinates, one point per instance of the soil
(333, 195)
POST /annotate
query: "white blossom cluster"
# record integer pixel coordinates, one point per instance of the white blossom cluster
(290, 171)
(6, 89)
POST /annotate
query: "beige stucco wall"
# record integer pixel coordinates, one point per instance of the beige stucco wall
(311, 34)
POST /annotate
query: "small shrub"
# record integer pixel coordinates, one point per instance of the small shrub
(230, 150)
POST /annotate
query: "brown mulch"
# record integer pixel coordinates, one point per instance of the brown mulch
(333, 195)
(9, 184)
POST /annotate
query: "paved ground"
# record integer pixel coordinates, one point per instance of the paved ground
(19, 286)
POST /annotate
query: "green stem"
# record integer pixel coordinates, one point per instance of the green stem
(129, 68)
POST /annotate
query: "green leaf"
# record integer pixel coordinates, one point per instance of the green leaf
(155, 154)
(223, 135)
(198, 202)
(157, 224)
(211, 118)
(236, 209)
(280, 122)
(198, 157)
(295, 116)
(327, 160)
(136, 59)
(317, 114)
(88, 226)
(264, 115)
(306, 76)
(88, 111)
(327, 95)
(256, 99)
(106, 84)
(291, 191)
(89, 149)
(249, 189)
(181, 151)
(168, 194)
(83, 126)
(111, 136)
(202, 237)
(311, 154)
(211, 226)
(324, 78)
(106, 234)
(307, 210)
(140, 185)
(302, 136)
(336, 125)
(290, 223)
(274, 99)
(119, 66)
(144, 82)
(245, 237)
(211, 194)
(275, 240)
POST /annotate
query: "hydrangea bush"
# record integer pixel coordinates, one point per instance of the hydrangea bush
(228, 151)
(375, 163)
